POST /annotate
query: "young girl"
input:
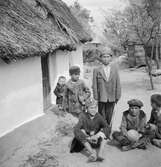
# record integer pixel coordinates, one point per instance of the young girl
(59, 91)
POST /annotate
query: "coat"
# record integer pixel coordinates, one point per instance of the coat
(74, 96)
(128, 122)
(104, 90)
(156, 120)
(88, 125)
(59, 93)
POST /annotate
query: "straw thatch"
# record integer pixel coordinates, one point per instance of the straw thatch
(36, 27)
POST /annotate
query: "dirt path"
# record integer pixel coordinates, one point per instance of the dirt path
(51, 148)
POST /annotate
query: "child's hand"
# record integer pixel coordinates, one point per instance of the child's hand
(92, 133)
(153, 127)
(94, 139)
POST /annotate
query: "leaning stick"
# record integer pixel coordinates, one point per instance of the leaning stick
(111, 122)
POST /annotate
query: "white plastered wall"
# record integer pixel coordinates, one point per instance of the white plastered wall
(21, 98)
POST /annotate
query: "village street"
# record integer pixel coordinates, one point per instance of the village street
(46, 48)
(49, 146)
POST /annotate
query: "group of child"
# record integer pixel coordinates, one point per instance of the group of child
(71, 96)
(92, 130)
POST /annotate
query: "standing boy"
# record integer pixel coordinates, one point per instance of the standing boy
(75, 93)
(106, 86)
(59, 91)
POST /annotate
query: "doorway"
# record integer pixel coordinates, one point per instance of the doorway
(46, 82)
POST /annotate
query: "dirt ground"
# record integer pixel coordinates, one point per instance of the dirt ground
(49, 147)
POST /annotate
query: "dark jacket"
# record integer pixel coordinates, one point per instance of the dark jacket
(59, 93)
(85, 123)
(129, 122)
(156, 120)
(104, 90)
(74, 96)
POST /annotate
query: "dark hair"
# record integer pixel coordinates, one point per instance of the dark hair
(61, 77)
(156, 98)
(74, 70)
(104, 54)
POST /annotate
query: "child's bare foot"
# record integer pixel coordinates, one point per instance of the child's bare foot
(157, 142)
(100, 159)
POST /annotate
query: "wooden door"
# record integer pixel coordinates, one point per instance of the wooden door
(46, 82)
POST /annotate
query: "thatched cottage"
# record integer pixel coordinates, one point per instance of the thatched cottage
(39, 40)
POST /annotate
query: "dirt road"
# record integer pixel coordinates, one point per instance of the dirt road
(51, 148)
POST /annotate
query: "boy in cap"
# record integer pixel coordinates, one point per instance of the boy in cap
(133, 119)
(106, 86)
(154, 124)
(91, 132)
(75, 93)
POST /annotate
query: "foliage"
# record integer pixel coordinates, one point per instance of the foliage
(82, 15)
(116, 30)
(135, 24)
(141, 24)
(91, 55)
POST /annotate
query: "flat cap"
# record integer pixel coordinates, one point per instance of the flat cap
(156, 98)
(135, 102)
(74, 70)
(106, 51)
(91, 106)
(91, 103)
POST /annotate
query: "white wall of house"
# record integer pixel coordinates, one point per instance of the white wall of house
(59, 63)
(21, 96)
(77, 58)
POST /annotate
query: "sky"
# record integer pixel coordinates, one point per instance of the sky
(97, 7)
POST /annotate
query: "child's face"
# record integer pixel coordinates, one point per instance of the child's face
(62, 81)
(154, 106)
(75, 77)
(106, 59)
(134, 110)
(92, 111)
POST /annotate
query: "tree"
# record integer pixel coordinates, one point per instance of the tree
(82, 15)
(153, 8)
(145, 29)
(134, 24)
(116, 30)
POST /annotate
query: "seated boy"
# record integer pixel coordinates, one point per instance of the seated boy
(90, 132)
(154, 124)
(133, 119)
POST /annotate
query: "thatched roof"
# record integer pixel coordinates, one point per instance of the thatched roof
(37, 27)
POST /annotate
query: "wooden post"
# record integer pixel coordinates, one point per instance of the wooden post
(149, 68)
(156, 54)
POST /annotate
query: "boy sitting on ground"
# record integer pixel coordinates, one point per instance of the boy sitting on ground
(154, 124)
(91, 133)
(132, 126)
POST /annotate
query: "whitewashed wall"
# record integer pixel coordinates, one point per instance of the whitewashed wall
(21, 96)
(59, 64)
(77, 58)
